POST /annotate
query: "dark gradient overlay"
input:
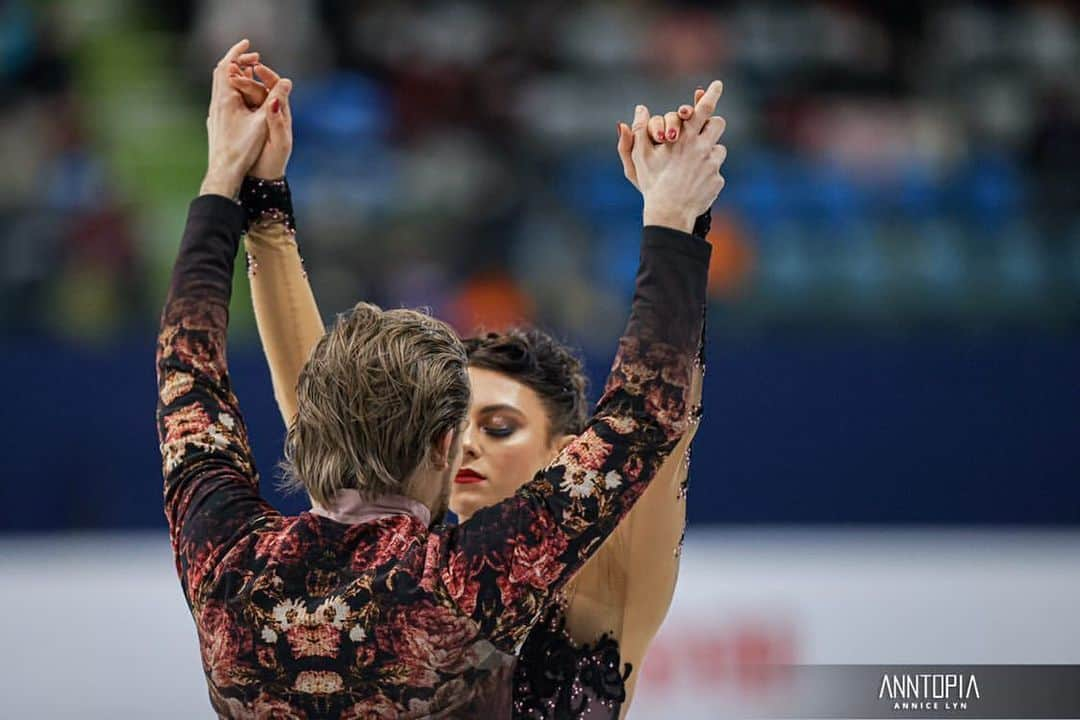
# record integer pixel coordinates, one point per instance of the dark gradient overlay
(929, 691)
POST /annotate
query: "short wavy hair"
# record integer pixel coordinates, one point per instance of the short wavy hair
(379, 390)
(541, 363)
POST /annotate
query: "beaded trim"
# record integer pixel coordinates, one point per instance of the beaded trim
(267, 201)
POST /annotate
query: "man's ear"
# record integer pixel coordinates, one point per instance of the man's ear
(440, 451)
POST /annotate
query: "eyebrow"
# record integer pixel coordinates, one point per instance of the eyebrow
(500, 406)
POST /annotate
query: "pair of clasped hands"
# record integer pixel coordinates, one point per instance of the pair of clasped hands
(672, 159)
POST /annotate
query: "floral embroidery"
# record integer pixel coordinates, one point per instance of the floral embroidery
(318, 682)
(590, 451)
(580, 484)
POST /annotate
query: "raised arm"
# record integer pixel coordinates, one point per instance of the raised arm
(211, 488)
(285, 310)
(503, 564)
(625, 590)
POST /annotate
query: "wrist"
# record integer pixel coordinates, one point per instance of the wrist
(219, 182)
(269, 175)
(682, 221)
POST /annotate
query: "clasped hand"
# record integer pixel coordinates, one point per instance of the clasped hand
(673, 159)
(249, 124)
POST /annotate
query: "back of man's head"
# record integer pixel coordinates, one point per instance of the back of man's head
(378, 392)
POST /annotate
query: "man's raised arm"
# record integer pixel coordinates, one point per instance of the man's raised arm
(504, 563)
(211, 488)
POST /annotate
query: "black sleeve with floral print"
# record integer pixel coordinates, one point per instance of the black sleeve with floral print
(505, 563)
(207, 463)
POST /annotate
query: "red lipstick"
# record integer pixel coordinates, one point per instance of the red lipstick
(467, 477)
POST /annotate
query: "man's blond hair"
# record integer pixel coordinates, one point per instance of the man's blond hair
(379, 390)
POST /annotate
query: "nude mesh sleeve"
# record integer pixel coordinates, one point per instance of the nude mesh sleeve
(626, 589)
(285, 311)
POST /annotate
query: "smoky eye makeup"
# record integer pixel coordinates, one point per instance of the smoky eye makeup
(499, 426)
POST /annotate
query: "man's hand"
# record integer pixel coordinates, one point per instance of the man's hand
(235, 132)
(679, 179)
(262, 87)
(666, 128)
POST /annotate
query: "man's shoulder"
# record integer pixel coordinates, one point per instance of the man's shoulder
(309, 539)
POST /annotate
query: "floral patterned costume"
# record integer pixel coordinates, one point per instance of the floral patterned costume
(307, 617)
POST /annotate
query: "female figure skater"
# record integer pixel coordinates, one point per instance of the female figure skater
(527, 404)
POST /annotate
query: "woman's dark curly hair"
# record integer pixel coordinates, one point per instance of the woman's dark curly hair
(541, 363)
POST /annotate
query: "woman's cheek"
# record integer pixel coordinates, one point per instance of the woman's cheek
(522, 473)
(506, 486)
(466, 500)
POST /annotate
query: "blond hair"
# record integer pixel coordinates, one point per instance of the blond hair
(379, 390)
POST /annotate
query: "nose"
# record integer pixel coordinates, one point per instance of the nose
(469, 446)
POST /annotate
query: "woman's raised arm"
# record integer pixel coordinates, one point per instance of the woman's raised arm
(285, 310)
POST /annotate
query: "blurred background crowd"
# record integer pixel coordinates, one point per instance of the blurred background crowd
(896, 267)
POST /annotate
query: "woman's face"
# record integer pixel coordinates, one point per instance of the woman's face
(507, 441)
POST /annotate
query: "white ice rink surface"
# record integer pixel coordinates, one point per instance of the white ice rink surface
(94, 626)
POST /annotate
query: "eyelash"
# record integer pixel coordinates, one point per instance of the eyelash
(499, 432)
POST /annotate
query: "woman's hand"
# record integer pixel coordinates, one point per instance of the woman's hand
(679, 179)
(271, 91)
(235, 132)
(666, 128)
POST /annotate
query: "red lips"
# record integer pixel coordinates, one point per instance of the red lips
(467, 477)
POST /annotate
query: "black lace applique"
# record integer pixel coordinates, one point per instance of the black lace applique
(554, 678)
(267, 201)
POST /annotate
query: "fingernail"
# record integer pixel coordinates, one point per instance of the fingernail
(660, 136)
(275, 105)
(671, 134)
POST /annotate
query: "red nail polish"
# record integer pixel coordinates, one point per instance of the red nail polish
(671, 134)
(275, 106)
(660, 136)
